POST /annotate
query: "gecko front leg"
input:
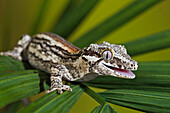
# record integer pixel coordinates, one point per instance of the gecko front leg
(57, 73)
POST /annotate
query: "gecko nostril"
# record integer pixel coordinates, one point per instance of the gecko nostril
(106, 61)
(111, 61)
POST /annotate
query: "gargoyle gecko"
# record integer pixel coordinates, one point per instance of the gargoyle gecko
(56, 56)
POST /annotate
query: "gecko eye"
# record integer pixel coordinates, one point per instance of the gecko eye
(107, 55)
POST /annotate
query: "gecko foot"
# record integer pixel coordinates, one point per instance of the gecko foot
(60, 89)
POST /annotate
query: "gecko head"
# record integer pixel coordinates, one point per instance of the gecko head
(110, 59)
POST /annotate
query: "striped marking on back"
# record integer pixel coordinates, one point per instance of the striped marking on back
(59, 41)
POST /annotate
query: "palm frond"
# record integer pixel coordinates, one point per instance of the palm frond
(53, 102)
(150, 43)
(148, 101)
(114, 22)
(104, 109)
(148, 92)
(75, 12)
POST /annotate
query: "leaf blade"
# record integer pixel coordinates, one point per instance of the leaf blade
(139, 100)
(114, 22)
(106, 108)
(76, 11)
(54, 103)
(16, 83)
(38, 21)
(8, 65)
(150, 43)
(93, 94)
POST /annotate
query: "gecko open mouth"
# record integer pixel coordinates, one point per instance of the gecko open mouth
(124, 72)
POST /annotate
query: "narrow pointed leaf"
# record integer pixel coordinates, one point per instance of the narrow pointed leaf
(153, 76)
(17, 86)
(17, 83)
(8, 65)
(97, 109)
(114, 22)
(53, 103)
(93, 94)
(76, 11)
(43, 5)
(154, 68)
(104, 109)
(148, 101)
(150, 43)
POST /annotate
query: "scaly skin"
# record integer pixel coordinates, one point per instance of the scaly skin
(61, 59)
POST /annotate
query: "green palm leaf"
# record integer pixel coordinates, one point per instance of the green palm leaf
(18, 85)
(9, 65)
(38, 21)
(52, 102)
(148, 92)
(75, 12)
(17, 81)
(148, 101)
(149, 43)
(114, 22)
(104, 109)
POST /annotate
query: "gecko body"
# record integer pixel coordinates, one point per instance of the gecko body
(51, 53)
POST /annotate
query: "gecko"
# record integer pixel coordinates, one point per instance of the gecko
(62, 60)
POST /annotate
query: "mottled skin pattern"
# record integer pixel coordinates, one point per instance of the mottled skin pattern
(54, 55)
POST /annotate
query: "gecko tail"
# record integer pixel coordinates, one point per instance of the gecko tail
(16, 53)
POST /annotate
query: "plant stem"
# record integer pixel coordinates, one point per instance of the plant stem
(93, 94)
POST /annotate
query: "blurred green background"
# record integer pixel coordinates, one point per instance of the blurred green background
(19, 16)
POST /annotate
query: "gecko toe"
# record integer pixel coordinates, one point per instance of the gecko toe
(60, 89)
(67, 88)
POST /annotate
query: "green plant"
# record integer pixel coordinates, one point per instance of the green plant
(149, 92)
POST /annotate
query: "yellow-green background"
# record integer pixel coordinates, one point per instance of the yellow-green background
(17, 18)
